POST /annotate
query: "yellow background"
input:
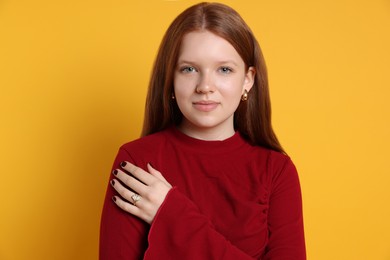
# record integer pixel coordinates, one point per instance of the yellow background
(73, 78)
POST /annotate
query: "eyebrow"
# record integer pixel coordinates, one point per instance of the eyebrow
(219, 62)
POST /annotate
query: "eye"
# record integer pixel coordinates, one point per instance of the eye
(225, 70)
(187, 69)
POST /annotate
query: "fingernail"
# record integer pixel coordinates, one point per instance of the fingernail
(123, 164)
(112, 182)
(115, 172)
(151, 165)
(114, 199)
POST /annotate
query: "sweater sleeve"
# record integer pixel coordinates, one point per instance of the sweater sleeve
(285, 217)
(122, 235)
(180, 231)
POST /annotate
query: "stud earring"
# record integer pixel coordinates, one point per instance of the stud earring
(244, 96)
(173, 95)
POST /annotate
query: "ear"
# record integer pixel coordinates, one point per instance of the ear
(249, 79)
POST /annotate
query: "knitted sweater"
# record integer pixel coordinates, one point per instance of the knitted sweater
(230, 200)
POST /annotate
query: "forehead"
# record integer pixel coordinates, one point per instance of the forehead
(207, 45)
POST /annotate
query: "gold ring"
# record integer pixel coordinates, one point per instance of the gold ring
(135, 197)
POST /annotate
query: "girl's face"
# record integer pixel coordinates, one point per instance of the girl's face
(209, 80)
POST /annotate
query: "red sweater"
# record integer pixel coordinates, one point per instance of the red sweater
(230, 200)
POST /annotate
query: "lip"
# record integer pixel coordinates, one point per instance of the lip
(205, 105)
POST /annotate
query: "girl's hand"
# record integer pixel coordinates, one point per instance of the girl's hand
(145, 191)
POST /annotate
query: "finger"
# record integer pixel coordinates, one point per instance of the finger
(130, 181)
(153, 171)
(126, 206)
(138, 172)
(122, 190)
(134, 210)
(157, 174)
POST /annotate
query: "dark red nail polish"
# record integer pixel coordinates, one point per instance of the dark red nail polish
(151, 164)
(114, 199)
(123, 164)
(112, 182)
(115, 172)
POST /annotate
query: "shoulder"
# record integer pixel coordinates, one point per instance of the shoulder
(282, 170)
(146, 143)
(278, 161)
(270, 158)
(147, 149)
(274, 165)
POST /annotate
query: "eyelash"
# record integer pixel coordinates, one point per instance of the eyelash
(226, 70)
(190, 69)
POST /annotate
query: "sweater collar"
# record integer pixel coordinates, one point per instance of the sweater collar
(205, 146)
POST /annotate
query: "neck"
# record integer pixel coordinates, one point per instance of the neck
(206, 133)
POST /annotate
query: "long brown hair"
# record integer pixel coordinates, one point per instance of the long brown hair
(252, 117)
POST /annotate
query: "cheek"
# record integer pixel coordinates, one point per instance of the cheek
(232, 87)
(184, 86)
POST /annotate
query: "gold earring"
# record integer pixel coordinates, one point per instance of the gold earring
(244, 96)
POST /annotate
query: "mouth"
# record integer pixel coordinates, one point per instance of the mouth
(205, 106)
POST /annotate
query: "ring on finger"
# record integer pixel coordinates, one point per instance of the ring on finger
(135, 197)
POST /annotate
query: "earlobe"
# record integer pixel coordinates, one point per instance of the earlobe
(244, 96)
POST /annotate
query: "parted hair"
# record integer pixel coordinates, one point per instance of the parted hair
(252, 117)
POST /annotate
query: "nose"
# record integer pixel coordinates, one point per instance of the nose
(205, 84)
